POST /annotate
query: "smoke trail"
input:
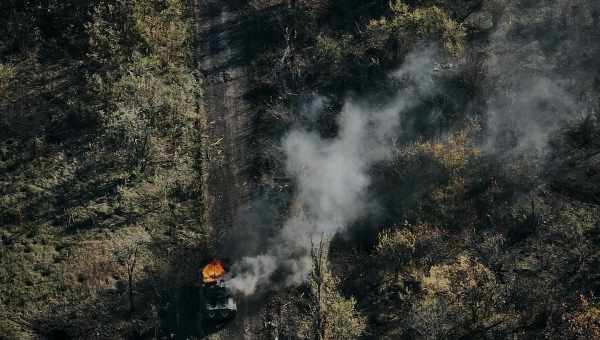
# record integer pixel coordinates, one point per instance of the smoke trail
(332, 177)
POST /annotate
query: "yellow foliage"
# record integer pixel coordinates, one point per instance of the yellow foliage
(455, 152)
(463, 275)
(437, 280)
(396, 243)
(421, 24)
(459, 297)
(585, 322)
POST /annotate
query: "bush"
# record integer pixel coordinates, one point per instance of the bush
(462, 300)
(395, 248)
(584, 323)
(10, 330)
(396, 35)
(333, 50)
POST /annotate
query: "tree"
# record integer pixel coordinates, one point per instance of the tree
(396, 35)
(128, 257)
(333, 316)
(584, 323)
(395, 248)
(462, 300)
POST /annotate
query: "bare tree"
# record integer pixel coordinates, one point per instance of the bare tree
(128, 258)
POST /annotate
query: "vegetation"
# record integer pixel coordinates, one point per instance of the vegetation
(334, 317)
(105, 159)
(108, 195)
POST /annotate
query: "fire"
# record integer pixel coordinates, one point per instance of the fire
(213, 271)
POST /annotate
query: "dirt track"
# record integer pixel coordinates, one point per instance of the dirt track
(223, 70)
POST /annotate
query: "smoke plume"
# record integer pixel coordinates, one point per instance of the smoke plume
(532, 85)
(332, 176)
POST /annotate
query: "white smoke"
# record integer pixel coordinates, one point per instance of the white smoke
(332, 176)
(528, 91)
(529, 88)
(251, 271)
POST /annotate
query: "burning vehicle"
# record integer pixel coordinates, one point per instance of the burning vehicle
(219, 305)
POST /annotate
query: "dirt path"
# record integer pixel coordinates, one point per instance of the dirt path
(225, 154)
(223, 68)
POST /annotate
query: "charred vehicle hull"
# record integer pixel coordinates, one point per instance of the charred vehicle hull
(219, 306)
(219, 303)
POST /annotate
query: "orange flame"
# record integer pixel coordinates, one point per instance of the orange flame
(213, 271)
